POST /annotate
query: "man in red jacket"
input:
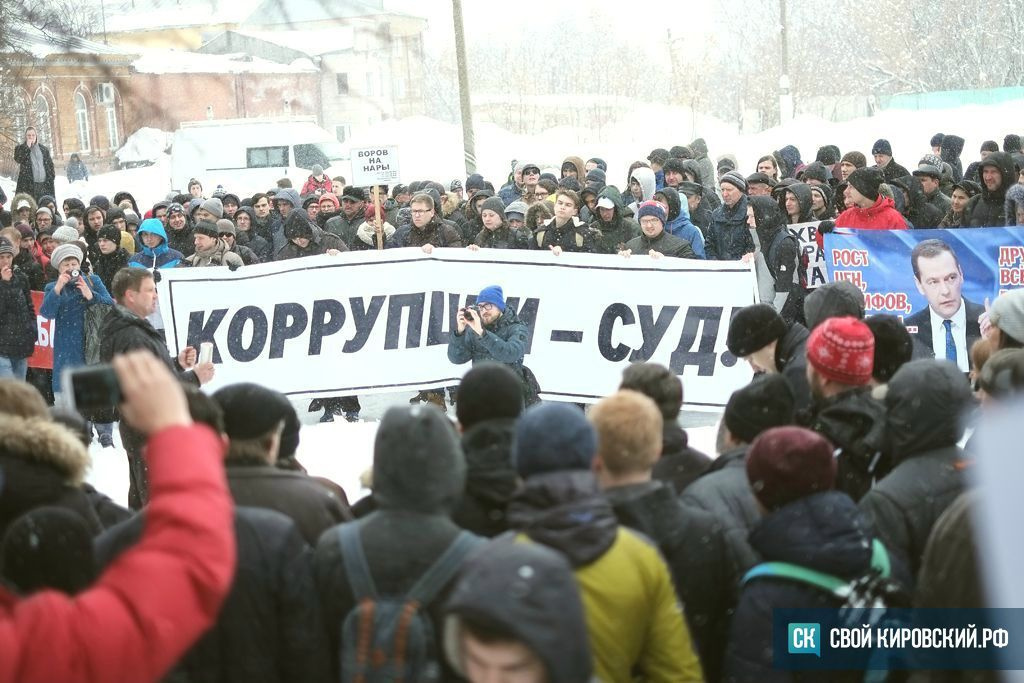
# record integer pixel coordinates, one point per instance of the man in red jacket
(156, 599)
(870, 211)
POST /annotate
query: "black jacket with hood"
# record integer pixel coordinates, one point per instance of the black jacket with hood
(679, 464)
(802, 192)
(298, 225)
(918, 211)
(503, 237)
(17, 317)
(924, 420)
(988, 209)
(419, 475)
(781, 252)
(252, 239)
(950, 151)
(491, 478)
(612, 236)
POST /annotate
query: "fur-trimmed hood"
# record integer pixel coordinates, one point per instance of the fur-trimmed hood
(41, 441)
(32, 208)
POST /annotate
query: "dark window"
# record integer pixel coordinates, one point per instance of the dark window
(266, 157)
(342, 84)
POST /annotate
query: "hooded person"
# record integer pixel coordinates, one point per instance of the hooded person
(679, 224)
(917, 210)
(781, 259)
(612, 227)
(644, 177)
(156, 253)
(951, 148)
(17, 316)
(573, 167)
(246, 235)
(694, 173)
(517, 605)
(805, 523)
(419, 475)
(654, 238)
(924, 416)
(699, 208)
(791, 164)
(759, 335)
(489, 401)
(634, 621)
(306, 239)
(179, 230)
(795, 202)
(707, 167)
(998, 174)
(1015, 205)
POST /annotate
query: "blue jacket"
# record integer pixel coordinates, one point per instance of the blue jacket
(67, 310)
(160, 257)
(679, 223)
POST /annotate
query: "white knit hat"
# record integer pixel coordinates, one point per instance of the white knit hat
(65, 251)
(1007, 313)
(65, 234)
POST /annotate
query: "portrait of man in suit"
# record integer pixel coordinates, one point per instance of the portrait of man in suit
(949, 325)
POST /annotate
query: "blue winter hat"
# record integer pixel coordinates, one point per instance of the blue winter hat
(553, 437)
(652, 208)
(492, 295)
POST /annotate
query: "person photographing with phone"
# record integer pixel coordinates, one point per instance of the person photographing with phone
(486, 331)
(126, 329)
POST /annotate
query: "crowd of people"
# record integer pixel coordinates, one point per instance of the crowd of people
(518, 542)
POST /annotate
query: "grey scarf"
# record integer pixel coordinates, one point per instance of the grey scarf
(38, 170)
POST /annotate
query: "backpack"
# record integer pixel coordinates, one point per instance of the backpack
(386, 639)
(800, 271)
(874, 590)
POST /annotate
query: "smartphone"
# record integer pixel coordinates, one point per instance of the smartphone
(90, 389)
(206, 352)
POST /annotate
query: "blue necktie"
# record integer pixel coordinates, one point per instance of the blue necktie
(950, 344)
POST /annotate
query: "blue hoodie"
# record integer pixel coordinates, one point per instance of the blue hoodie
(679, 223)
(160, 257)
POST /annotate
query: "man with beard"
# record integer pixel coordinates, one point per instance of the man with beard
(840, 359)
(988, 209)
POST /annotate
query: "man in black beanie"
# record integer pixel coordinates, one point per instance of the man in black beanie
(490, 399)
(48, 548)
(833, 300)
(882, 151)
(894, 347)
(870, 210)
(724, 491)
(419, 475)
(759, 335)
(254, 418)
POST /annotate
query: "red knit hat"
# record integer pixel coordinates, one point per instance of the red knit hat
(842, 350)
(787, 463)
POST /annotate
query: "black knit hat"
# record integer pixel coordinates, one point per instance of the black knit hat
(990, 146)
(893, 345)
(882, 146)
(857, 159)
(766, 402)
(936, 140)
(674, 164)
(493, 204)
(251, 410)
(658, 155)
(828, 155)
(815, 171)
(866, 181)
(48, 547)
(206, 228)
(753, 328)
(109, 232)
(487, 392)
(833, 300)
(1011, 143)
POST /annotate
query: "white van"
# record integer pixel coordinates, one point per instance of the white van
(250, 155)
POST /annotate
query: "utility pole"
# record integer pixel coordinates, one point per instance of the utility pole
(468, 143)
(785, 97)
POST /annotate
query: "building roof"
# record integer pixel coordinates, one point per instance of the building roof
(42, 44)
(123, 16)
(313, 43)
(165, 61)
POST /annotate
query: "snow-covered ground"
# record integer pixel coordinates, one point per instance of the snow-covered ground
(433, 149)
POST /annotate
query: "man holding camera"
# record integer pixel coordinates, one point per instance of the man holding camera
(487, 332)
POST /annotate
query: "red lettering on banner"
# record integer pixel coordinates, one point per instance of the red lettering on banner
(1011, 276)
(1010, 255)
(42, 357)
(850, 258)
(854, 276)
(896, 302)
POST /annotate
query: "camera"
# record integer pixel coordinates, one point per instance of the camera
(90, 389)
(75, 274)
(469, 311)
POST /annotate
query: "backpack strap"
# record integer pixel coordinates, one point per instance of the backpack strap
(356, 567)
(832, 584)
(442, 571)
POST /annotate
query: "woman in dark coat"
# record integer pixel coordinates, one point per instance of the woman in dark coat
(35, 166)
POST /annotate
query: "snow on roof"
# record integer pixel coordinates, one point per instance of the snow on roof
(141, 15)
(156, 61)
(314, 42)
(42, 44)
(278, 12)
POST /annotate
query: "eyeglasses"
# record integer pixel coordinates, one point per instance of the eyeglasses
(541, 195)
(486, 307)
(421, 211)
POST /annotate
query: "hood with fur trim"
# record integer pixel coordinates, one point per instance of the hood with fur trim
(32, 206)
(41, 441)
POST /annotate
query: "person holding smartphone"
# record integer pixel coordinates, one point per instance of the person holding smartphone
(17, 316)
(65, 301)
(487, 331)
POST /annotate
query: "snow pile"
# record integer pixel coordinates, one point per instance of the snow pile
(145, 144)
(148, 184)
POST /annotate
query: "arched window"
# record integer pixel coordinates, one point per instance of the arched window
(42, 107)
(19, 112)
(82, 122)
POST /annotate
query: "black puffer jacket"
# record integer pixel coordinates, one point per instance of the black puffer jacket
(952, 148)
(988, 209)
(679, 465)
(502, 238)
(491, 478)
(823, 532)
(692, 543)
(17, 318)
(613, 235)
(298, 225)
(107, 265)
(665, 244)
(854, 423)
(923, 411)
(437, 233)
(917, 210)
(123, 331)
(32, 270)
(270, 628)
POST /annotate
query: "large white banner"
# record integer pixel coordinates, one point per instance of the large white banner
(374, 322)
